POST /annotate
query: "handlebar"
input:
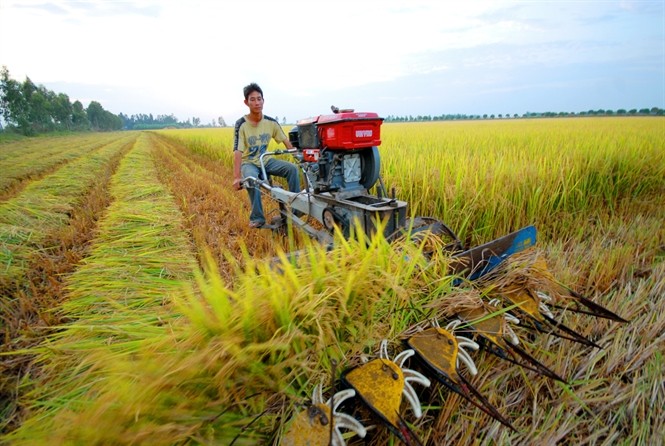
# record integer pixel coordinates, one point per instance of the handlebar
(276, 152)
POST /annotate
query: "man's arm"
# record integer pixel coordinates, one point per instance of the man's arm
(237, 162)
(238, 147)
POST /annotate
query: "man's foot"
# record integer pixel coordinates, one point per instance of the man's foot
(256, 224)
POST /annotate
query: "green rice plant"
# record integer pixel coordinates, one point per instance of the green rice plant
(512, 173)
(214, 143)
(238, 359)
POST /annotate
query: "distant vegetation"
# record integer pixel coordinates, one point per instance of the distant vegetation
(31, 109)
(148, 122)
(653, 111)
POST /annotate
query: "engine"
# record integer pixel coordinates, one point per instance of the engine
(339, 152)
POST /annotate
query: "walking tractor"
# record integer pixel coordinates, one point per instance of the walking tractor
(339, 156)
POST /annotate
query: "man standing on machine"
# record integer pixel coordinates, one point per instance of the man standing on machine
(252, 134)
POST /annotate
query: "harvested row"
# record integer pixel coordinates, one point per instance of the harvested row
(30, 293)
(33, 147)
(45, 158)
(30, 146)
(46, 205)
(238, 352)
(119, 302)
(216, 215)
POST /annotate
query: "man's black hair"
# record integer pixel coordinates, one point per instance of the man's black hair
(251, 88)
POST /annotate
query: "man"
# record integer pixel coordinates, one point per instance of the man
(253, 132)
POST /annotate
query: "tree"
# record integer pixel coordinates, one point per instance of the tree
(13, 105)
(95, 113)
(34, 108)
(79, 117)
(221, 121)
(40, 110)
(62, 111)
(196, 121)
(102, 120)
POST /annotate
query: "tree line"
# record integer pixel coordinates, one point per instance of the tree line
(653, 111)
(143, 121)
(33, 109)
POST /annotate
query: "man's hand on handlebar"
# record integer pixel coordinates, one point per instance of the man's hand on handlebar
(237, 184)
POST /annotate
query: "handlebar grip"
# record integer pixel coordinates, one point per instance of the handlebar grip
(282, 152)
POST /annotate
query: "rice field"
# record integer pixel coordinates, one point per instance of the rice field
(137, 307)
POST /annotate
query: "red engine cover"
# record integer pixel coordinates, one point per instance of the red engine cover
(346, 130)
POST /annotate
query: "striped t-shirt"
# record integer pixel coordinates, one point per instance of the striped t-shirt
(252, 140)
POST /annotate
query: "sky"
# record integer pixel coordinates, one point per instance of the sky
(408, 57)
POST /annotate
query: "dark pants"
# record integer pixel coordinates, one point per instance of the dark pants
(274, 167)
